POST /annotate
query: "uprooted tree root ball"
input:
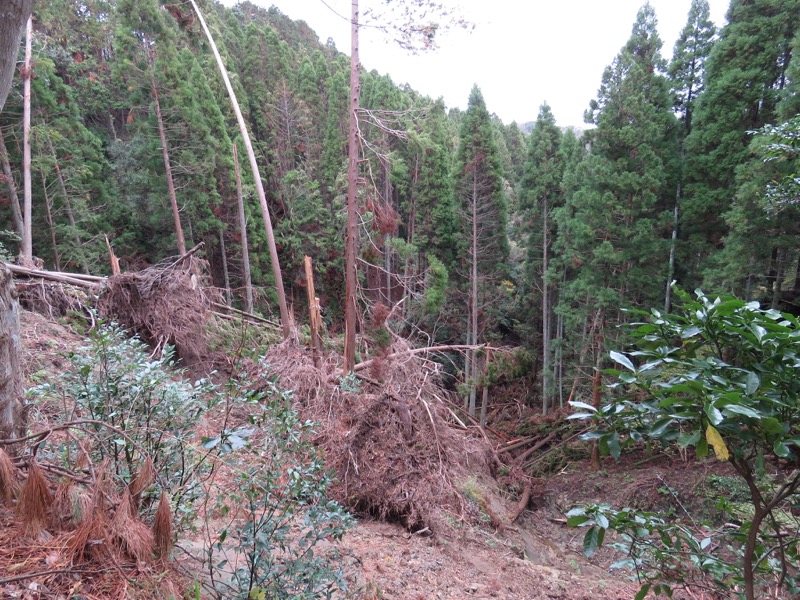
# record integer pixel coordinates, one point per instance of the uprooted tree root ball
(163, 304)
(394, 455)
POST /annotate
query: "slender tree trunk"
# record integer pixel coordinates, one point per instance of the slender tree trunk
(173, 199)
(559, 362)
(16, 211)
(27, 234)
(676, 212)
(350, 280)
(473, 293)
(48, 204)
(672, 247)
(225, 276)
(485, 394)
(248, 283)
(780, 271)
(546, 327)
(262, 198)
(67, 204)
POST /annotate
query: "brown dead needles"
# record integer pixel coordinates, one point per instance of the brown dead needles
(389, 442)
(163, 304)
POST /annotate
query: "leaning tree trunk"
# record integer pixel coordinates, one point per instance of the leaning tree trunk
(12, 414)
(262, 198)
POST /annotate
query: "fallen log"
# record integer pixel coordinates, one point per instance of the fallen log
(84, 281)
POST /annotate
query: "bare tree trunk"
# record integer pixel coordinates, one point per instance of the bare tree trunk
(27, 232)
(273, 250)
(173, 199)
(16, 211)
(313, 312)
(473, 290)
(225, 276)
(558, 368)
(350, 280)
(248, 282)
(13, 16)
(12, 413)
(485, 394)
(51, 224)
(672, 247)
(546, 326)
(780, 271)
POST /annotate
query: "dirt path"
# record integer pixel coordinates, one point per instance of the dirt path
(384, 561)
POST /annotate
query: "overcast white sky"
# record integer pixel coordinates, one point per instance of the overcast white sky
(521, 53)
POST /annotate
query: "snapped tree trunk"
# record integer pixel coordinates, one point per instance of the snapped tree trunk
(350, 280)
(12, 413)
(262, 198)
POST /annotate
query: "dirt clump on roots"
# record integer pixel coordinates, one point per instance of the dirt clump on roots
(396, 450)
(167, 303)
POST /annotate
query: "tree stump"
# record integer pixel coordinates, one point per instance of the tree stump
(12, 413)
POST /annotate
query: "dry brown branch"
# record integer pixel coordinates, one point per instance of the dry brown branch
(70, 278)
(523, 502)
(538, 445)
(247, 315)
(162, 528)
(163, 304)
(412, 351)
(34, 501)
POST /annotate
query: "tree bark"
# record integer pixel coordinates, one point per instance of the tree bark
(12, 413)
(173, 199)
(350, 280)
(16, 211)
(248, 282)
(273, 250)
(546, 326)
(48, 205)
(225, 275)
(27, 232)
(13, 16)
(472, 309)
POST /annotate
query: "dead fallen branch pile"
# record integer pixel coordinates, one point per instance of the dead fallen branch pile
(389, 442)
(163, 304)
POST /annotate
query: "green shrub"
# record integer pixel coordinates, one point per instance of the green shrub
(284, 511)
(721, 377)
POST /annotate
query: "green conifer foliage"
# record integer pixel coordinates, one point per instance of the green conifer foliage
(746, 74)
(480, 196)
(540, 192)
(612, 230)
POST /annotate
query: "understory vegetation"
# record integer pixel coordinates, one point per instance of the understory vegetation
(128, 459)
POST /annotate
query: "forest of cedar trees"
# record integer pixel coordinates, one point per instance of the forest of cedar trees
(568, 227)
(529, 248)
